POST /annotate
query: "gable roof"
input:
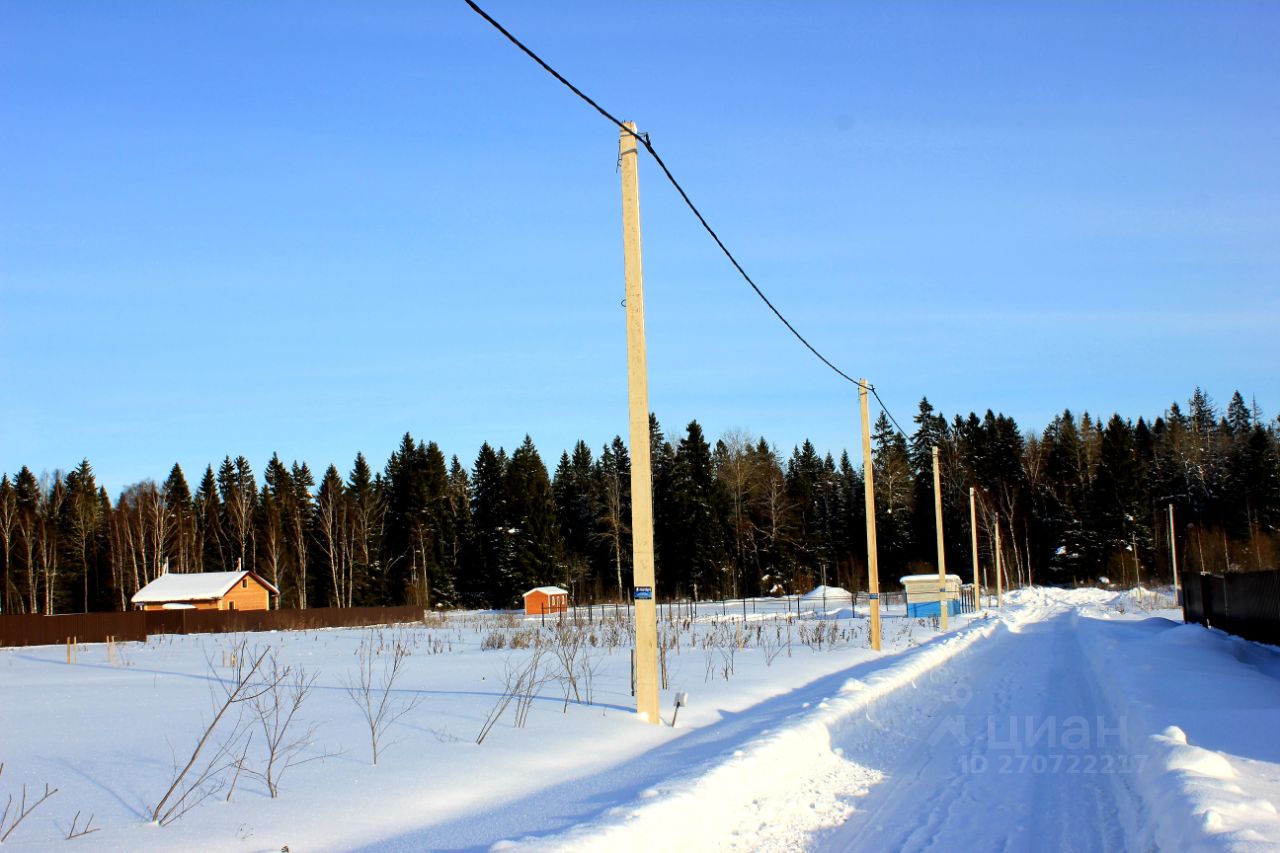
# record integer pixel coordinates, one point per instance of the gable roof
(548, 590)
(194, 586)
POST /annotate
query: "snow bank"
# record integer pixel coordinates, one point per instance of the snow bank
(778, 789)
(830, 593)
(1197, 709)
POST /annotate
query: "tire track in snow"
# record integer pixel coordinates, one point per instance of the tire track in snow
(1019, 766)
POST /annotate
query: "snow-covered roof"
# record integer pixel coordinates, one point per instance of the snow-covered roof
(549, 590)
(929, 577)
(195, 586)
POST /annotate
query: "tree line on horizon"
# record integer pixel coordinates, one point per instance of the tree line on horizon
(1077, 501)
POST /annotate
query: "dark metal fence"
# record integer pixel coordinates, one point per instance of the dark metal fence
(1247, 605)
(29, 630)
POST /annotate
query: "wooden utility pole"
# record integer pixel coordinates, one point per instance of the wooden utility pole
(869, 493)
(641, 475)
(1137, 573)
(943, 604)
(1173, 556)
(973, 532)
(999, 569)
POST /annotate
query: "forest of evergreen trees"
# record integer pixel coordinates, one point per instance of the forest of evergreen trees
(734, 518)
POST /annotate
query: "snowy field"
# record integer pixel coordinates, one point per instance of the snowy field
(1081, 720)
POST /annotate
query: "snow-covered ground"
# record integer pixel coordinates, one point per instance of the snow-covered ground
(1070, 720)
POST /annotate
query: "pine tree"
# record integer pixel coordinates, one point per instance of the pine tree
(850, 526)
(537, 557)
(695, 527)
(272, 547)
(368, 508)
(239, 494)
(213, 555)
(440, 589)
(492, 542)
(894, 494)
(772, 514)
(810, 551)
(332, 524)
(81, 522)
(666, 555)
(931, 432)
(406, 491)
(1117, 498)
(456, 529)
(181, 544)
(298, 519)
(572, 487)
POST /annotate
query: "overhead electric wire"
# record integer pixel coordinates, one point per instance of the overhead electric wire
(643, 139)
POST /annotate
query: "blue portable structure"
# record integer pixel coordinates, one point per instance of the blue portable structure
(924, 595)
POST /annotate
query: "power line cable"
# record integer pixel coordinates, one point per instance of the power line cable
(643, 139)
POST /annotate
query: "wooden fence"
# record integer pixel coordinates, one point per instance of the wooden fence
(29, 630)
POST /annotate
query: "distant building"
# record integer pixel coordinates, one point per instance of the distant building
(206, 591)
(546, 599)
(924, 599)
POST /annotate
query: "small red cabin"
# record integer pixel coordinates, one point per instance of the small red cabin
(546, 599)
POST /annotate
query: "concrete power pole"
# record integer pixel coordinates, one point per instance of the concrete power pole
(869, 493)
(973, 532)
(943, 604)
(641, 475)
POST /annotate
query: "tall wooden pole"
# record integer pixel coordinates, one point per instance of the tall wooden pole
(1137, 572)
(869, 493)
(1173, 556)
(943, 604)
(641, 475)
(973, 533)
(999, 569)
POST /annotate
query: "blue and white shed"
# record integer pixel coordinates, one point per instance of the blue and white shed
(924, 596)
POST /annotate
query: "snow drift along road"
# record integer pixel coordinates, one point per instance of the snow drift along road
(1043, 729)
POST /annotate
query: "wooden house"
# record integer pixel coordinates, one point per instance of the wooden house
(206, 591)
(546, 599)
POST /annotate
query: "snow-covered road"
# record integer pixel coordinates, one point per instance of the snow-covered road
(1062, 724)
(1023, 755)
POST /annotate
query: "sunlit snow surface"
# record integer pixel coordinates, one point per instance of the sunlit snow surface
(1082, 720)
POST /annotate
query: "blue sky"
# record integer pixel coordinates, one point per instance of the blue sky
(241, 228)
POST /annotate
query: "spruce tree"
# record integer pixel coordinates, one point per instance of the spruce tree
(368, 511)
(81, 522)
(492, 542)
(456, 530)
(181, 545)
(298, 516)
(272, 545)
(694, 546)
(572, 487)
(538, 550)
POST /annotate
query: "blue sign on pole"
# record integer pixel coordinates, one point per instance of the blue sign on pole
(644, 593)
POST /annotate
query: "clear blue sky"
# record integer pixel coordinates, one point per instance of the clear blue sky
(239, 228)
